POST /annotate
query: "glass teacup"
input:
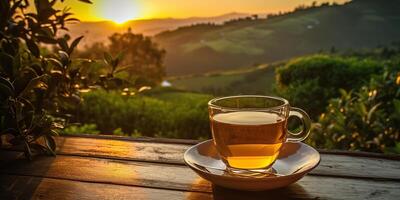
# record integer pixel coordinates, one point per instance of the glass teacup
(249, 131)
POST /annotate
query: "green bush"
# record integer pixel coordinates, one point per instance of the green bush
(309, 82)
(36, 85)
(84, 129)
(366, 119)
(160, 113)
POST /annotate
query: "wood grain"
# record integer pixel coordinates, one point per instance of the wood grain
(107, 171)
(179, 178)
(23, 187)
(127, 150)
(135, 139)
(331, 165)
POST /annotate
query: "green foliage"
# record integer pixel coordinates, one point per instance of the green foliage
(309, 82)
(137, 56)
(393, 150)
(160, 113)
(34, 87)
(366, 119)
(84, 129)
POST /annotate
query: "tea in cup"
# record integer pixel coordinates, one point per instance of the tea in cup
(249, 131)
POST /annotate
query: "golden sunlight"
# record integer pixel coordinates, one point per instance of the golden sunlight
(120, 11)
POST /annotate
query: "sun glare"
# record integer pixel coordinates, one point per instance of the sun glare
(120, 11)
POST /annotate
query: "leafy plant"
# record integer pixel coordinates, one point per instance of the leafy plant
(157, 112)
(111, 81)
(365, 119)
(36, 88)
(309, 82)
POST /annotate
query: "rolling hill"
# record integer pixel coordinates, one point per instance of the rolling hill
(99, 31)
(249, 80)
(204, 48)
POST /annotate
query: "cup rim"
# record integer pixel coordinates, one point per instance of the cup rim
(212, 101)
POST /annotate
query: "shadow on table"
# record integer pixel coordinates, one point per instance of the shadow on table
(293, 191)
(16, 180)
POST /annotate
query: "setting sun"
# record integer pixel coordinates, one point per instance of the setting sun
(120, 11)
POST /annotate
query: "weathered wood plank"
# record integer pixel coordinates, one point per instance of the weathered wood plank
(314, 187)
(135, 139)
(128, 150)
(331, 165)
(23, 187)
(6, 156)
(107, 171)
(192, 142)
(175, 177)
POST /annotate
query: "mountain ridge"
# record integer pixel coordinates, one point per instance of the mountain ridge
(207, 47)
(99, 31)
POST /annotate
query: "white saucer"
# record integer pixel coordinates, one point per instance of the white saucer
(294, 161)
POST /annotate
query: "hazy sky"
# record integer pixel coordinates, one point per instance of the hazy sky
(122, 10)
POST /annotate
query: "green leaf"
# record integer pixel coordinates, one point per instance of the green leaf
(118, 59)
(56, 62)
(38, 149)
(33, 48)
(124, 68)
(108, 58)
(46, 35)
(74, 44)
(17, 63)
(4, 10)
(72, 19)
(28, 113)
(32, 84)
(6, 62)
(44, 9)
(46, 39)
(47, 31)
(6, 87)
(28, 152)
(15, 6)
(396, 104)
(37, 68)
(343, 92)
(64, 58)
(361, 108)
(5, 92)
(371, 112)
(10, 47)
(50, 144)
(86, 1)
(62, 42)
(54, 133)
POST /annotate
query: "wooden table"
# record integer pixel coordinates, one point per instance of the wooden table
(123, 168)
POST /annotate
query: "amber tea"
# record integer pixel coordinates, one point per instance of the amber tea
(250, 130)
(248, 140)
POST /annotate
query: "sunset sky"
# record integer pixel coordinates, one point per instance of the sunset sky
(123, 10)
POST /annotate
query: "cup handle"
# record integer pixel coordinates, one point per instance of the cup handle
(305, 120)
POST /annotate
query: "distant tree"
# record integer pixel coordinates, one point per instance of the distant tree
(325, 4)
(137, 56)
(143, 57)
(314, 4)
(95, 51)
